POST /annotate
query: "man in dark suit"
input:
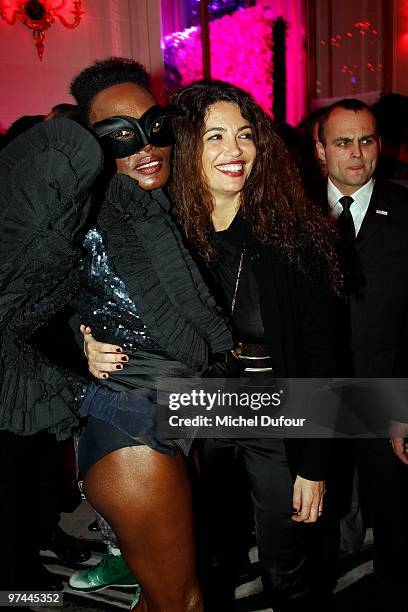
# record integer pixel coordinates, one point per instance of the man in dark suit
(372, 219)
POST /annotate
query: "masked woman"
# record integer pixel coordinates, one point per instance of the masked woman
(271, 263)
(139, 288)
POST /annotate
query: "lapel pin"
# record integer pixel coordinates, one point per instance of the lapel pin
(381, 212)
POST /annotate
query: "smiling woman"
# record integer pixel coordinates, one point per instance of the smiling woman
(242, 133)
(228, 156)
(148, 164)
(270, 262)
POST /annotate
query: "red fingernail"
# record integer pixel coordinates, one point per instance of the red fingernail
(124, 358)
(104, 376)
(119, 366)
(118, 350)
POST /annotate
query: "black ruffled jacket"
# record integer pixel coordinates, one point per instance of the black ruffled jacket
(45, 177)
(148, 254)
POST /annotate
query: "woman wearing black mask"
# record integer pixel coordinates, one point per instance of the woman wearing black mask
(139, 287)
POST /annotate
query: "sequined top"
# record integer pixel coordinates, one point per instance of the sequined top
(104, 303)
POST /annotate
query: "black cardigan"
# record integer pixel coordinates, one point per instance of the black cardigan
(296, 308)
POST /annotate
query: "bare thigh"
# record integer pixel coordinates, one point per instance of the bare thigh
(146, 498)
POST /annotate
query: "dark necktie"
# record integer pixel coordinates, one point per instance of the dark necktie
(345, 223)
(347, 252)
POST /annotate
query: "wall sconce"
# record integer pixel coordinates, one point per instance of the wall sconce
(39, 15)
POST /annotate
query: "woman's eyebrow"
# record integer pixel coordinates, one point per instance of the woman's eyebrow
(222, 129)
(219, 129)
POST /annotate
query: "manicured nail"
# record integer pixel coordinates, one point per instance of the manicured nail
(119, 366)
(124, 358)
(118, 350)
(104, 376)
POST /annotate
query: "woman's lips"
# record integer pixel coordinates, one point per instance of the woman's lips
(149, 165)
(232, 169)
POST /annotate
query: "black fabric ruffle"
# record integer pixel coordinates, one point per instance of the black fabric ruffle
(35, 395)
(45, 178)
(148, 254)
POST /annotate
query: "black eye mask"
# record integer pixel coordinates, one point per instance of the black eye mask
(124, 135)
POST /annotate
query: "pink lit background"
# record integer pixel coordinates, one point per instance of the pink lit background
(241, 52)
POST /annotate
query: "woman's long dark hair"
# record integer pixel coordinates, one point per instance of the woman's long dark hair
(273, 200)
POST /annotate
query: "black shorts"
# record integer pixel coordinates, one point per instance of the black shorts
(99, 438)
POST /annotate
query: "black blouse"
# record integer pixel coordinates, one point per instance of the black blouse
(231, 243)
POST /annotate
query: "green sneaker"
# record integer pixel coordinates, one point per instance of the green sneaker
(136, 597)
(110, 571)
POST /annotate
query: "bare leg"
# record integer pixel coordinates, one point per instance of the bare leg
(145, 496)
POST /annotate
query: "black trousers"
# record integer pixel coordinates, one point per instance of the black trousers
(29, 503)
(383, 486)
(281, 541)
(384, 490)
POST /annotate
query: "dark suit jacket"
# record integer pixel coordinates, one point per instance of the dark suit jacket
(379, 310)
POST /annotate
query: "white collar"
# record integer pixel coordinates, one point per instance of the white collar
(359, 207)
(361, 196)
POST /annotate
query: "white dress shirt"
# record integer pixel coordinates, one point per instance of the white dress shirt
(358, 208)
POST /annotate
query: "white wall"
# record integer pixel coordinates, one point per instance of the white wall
(131, 28)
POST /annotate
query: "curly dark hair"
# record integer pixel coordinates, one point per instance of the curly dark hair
(273, 200)
(103, 74)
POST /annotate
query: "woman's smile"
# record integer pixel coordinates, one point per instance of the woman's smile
(229, 151)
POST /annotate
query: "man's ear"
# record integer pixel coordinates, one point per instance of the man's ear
(321, 155)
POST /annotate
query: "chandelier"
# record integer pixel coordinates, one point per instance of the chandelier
(39, 15)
